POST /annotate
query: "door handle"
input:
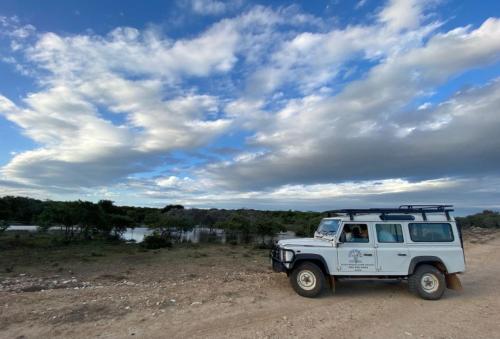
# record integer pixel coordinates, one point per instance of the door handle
(367, 254)
(402, 254)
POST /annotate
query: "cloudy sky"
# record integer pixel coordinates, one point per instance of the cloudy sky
(310, 106)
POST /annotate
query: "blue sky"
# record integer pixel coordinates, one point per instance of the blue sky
(311, 105)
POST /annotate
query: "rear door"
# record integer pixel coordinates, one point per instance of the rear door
(356, 252)
(393, 255)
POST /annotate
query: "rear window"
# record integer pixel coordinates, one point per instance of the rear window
(430, 232)
(389, 233)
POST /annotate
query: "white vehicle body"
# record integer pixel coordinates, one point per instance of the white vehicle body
(393, 244)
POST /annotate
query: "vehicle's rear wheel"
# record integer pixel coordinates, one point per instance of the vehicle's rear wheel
(307, 280)
(428, 282)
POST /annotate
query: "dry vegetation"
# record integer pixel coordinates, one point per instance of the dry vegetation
(115, 290)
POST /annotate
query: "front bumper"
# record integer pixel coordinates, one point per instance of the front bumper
(279, 260)
(278, 266)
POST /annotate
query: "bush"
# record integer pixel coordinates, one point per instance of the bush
(3, 226)
(264, 246)
(302, 233)
(208, 237)
(155, 241)
(113, 238)
(486, 219)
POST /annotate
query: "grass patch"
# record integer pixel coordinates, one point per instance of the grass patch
(45, 254)
(21, 251)
(198, 254)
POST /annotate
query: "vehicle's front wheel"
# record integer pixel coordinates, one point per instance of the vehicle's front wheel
(428, 282)
(307, 280)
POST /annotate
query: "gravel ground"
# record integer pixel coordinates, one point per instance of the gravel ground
(230, 292)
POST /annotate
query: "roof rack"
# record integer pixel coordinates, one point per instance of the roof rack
(404, 209)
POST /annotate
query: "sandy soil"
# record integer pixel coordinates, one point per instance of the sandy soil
(230, 292)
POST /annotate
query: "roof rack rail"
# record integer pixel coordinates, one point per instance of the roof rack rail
(405, 209)
(437, 207)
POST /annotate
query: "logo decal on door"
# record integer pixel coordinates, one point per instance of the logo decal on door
(355, 255)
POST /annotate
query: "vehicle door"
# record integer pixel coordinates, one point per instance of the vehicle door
(392, 252)
(355, 250)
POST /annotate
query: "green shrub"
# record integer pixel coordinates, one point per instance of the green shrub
(264, 246)
(3, 226)
(155, 241)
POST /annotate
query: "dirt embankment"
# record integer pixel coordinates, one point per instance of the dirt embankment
(220, 291)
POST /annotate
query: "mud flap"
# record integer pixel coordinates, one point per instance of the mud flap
(453, 282)
(331, 281)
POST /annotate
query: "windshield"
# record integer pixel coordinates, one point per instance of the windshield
(328, 226)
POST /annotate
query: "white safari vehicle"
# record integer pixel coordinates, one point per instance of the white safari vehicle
(420, 243)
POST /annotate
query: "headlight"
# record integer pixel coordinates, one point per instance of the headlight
(286, 255)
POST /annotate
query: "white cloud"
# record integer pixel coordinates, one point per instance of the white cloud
(124, 50)
(361, 3)
(311, 60)
(173, 182)
(23, 32)
(213, 7)
(327, 111)
(325, 139)
(402, 14)
(317, 196)
(363, 188)
(137, 78)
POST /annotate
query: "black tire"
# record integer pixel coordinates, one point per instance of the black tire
(307, 280)
(427, 282)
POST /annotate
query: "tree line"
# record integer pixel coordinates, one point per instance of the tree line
(486, 219)
(87, 219)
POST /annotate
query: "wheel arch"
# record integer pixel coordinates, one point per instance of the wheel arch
(314, 258)
(427, 260)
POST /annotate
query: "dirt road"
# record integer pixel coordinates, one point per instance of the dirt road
(221, 292)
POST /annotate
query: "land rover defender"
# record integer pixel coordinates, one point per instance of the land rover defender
(418, 243)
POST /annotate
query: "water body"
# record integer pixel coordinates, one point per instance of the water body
(196, 235)
(30, 228)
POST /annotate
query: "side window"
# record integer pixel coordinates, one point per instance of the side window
(431, 232)
(355, 233)
(389, 233)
